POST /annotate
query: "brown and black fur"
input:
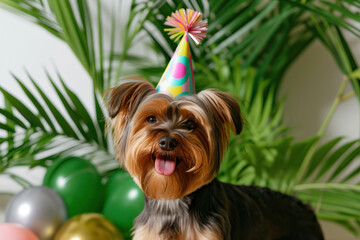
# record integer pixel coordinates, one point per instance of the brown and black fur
(190, 203)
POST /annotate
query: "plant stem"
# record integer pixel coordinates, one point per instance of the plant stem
(339, 98)
(9, 134)
(347, 96)
(129, 36)
(335, 104)
(19, 180)
(338, 186)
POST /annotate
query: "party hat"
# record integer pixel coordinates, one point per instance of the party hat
(178, 78)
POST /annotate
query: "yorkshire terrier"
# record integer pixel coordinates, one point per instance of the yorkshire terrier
(173, 148)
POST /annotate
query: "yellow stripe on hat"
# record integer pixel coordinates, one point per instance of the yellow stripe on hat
(175, 90)
(184, 48)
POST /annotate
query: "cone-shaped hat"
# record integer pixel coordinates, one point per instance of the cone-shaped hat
(178, 78)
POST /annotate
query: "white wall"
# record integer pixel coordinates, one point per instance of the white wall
(310, 87)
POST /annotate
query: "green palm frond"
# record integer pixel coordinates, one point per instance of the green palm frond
(263, 127)
(333, 188)
(338, 203)
(328, 162)
(75, 23)
(40, 136)
(267, 35)
(35, 11)
(277, 166)
(333, 39)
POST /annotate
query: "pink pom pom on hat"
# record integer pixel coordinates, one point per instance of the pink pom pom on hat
(178, 78)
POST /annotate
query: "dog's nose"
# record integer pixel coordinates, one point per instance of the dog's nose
(167, 143)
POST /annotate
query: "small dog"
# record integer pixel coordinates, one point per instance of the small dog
(173, 148)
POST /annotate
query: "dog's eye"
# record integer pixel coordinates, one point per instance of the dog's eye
(190, 125)
(151, 119)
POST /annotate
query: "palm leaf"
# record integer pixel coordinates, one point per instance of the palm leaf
(35, 12)
(238, 29)
(337, 203)
(10, 117)
(72, 133)
(72, 22)
(262, 135)
(25, 111)
(334, 157)
(36, 103)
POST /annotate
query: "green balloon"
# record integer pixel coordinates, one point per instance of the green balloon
(124, 201)
(78, 183)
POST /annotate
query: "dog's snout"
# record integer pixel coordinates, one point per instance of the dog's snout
(167, 143)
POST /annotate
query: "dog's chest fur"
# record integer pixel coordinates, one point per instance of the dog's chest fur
(172, 219)
(219, 211)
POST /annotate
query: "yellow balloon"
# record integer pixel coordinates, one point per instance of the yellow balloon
(88, 226)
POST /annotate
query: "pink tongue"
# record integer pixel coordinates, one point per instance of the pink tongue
(165, 166)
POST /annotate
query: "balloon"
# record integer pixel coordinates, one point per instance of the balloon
(78, 183)
(10, 231)
(39, 209)
(124, 201)
(88, 226)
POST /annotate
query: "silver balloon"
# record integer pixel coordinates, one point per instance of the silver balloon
(39, 209)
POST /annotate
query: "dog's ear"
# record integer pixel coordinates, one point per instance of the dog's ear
(127, 96)
(223, 108)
